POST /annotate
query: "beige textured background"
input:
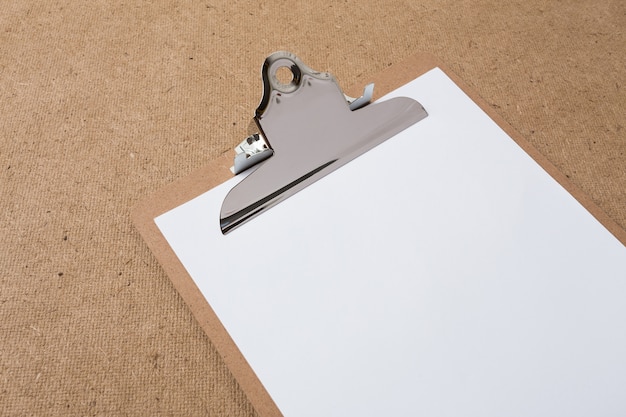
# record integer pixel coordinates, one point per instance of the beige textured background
(104, 102)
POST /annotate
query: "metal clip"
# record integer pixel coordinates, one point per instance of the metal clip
(307, 129)
(255, 149)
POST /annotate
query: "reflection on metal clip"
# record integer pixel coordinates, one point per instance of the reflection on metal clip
(307, 130)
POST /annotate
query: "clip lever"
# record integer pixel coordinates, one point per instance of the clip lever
(308, 128)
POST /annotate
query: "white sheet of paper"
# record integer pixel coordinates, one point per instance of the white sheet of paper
(443, 273)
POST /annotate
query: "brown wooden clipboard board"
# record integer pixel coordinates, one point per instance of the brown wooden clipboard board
(218, 171)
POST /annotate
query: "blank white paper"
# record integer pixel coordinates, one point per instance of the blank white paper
(443, 273)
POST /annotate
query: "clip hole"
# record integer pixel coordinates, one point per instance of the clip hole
(284, 75)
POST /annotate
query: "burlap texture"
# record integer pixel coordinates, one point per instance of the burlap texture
(104, 102)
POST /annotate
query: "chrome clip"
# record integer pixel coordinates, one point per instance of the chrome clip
(255, 149)
(307, 129)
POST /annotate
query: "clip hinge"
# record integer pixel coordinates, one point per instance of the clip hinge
(251, 151)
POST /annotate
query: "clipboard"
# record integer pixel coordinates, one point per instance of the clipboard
(218, 171)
